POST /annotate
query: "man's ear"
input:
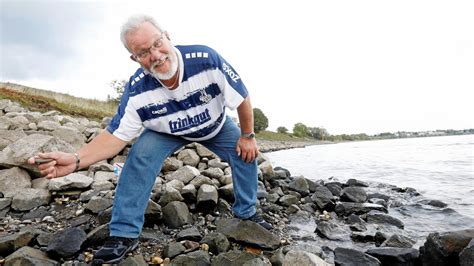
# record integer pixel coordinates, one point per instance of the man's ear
(167, 36)
(133, 58)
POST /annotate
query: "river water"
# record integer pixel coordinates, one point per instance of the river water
(440, 168)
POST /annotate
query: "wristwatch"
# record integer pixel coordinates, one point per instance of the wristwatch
(250, 135)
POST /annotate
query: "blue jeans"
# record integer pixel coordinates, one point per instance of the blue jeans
(144, 163)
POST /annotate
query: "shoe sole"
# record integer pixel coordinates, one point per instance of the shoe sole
(100, 262)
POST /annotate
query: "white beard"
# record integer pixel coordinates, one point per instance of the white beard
(173, 58)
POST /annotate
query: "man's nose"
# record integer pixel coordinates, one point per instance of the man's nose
(155, 54)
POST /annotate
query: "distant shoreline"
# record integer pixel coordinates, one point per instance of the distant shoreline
(277, 145)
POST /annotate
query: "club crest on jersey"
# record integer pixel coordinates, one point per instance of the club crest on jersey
(230, 72)
(160, 111)
(205, 98)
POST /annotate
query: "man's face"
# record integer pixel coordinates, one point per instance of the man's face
(162, 62)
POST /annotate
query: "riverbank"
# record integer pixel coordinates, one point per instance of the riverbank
(188, 220)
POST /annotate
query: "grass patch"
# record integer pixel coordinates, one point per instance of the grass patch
(95, 110)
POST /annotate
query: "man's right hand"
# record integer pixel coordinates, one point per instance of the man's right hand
(62, 164)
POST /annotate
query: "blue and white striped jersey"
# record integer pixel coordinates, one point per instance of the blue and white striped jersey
(195, 110)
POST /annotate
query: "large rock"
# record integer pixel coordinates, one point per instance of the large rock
(189, 157)
(217, 242)
(395, 256)
(7, 137)
(444, 248)
(353, 194)
(176, 214)
(300, 185)
(74, 180)
(382, 218)
(17, 153)
(323, 198)
(352, 257)
(169, 194)
(29, 198)
(66, 243)
(267, 169)
(184, 174)
(293, 257)
(466, 257)
(13, 180)
(70, 135)
(29, 256)
(249, 233)
(398, 241)
(207, 198)
(331, 231)
(10, 243)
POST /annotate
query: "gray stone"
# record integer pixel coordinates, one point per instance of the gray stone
(7, 137)
(216, 173)
(300, 185)
(189, 193)
(395, 256)
(303, 258)
(185, 174)
(203, 151)
(176, 184)
(70, 181)
(198, 258)
(398, 241)
(98, 204)
(207, 198)
(381, 218)
(217, 242)
(5, 202)
(176, 214)
(444, 248)
(70, 135)
(66, 243)
(466, 257)
(217, 163)
(153, 213)
(354, 194)
(323, 198)
(169, 194)
(331, 231)
(267, 169)
(48, 125)
(102, 185)
(189, 157)
(248, 232)
(288, 200)
(191, 233)
(171, 164)
(356, 183)
(13, 180)
(352, 257)
(234, 258)
(40, 183)
(104, 176)
(173, 249)
(10, 243)
(200, 180)
(29, 198)
(29, 256)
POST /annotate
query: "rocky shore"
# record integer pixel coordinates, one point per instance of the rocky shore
(188, 220)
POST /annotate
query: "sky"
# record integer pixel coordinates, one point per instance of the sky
(348, 66)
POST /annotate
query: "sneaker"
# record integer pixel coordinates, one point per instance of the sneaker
(260, 221)
(114, 250)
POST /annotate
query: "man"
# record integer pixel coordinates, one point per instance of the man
(179, 96)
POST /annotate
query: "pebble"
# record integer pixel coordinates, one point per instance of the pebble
(49, 219)
(156, 260)
(205, 247)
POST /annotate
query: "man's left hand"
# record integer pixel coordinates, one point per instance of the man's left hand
(247, 149)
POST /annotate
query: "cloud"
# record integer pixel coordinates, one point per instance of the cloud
(39, 37)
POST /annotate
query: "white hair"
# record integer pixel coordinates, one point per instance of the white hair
(133, 23)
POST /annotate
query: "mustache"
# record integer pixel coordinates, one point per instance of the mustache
(159, 61)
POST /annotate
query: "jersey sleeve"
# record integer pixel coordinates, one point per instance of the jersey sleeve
(231, 84)
(126, 123)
